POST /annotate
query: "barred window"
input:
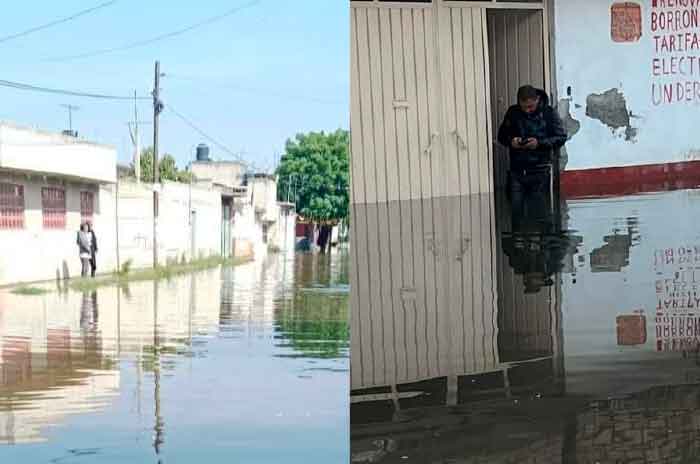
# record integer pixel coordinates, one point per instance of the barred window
(53, 207)
(87, 206)
(11, 206)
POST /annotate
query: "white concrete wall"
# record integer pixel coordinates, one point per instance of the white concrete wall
(589, 61)
(247, 229)
(225, 173)
(285, 230)
(44, 152)
(35, 253)
(136, 224)
(174, 227)
(264, 195)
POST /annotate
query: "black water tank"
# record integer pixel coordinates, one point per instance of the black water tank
(202, 152)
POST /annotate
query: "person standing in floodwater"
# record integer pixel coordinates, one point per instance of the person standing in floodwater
(533, 131)
(84, 242)
(93, 249)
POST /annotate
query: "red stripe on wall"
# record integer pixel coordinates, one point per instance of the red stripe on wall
(629, 180)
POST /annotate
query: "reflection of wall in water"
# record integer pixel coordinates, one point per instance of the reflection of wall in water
(422, 290)
(615, 254)
(56, 357)
(636, 228)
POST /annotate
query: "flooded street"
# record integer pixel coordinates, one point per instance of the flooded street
(244, 364)
(557, 333)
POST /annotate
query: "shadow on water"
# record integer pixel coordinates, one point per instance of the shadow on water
(132, 372)
(558, 330)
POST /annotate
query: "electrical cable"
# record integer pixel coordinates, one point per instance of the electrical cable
(56, 22)
(158, 38)
(208, 137)
(73, 93)
(259, 92)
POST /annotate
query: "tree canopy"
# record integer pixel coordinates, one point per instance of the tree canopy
(167, 167)
(314, 174)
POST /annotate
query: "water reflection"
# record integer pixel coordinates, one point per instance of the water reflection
(536, 245)
(566, 331)
(138, 371)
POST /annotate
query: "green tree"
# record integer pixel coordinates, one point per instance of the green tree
(314, 174)
(167, 167)
(315, 324)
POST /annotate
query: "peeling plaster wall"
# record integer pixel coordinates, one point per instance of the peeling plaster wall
(591, 64)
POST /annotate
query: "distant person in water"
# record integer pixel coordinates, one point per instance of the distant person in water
(533, 131)
(84, 242)
(93, 249)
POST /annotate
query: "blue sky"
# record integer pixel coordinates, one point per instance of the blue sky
(251, 80)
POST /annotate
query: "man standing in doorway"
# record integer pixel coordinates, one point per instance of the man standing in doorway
(533, 131)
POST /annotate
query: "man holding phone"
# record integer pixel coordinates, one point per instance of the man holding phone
(532, 130)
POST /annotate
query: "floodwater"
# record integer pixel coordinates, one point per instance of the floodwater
(561, 332)
(244, 364)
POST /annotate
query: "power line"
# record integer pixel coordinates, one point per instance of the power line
(56, 22)
(158, 38)
(207, 136)
(260, 92)
(73, 93)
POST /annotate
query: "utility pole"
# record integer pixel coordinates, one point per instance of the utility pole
(70, 115)
(157, 108)
(137, 148)
(135, 141)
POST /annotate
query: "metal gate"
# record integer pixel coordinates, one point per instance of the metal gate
(422, 231)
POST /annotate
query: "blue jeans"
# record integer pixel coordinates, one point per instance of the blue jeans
(530, 195)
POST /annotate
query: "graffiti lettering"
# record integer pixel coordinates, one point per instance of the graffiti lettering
(675, 65)
(675, 29)
(689, 41)
(674, 21)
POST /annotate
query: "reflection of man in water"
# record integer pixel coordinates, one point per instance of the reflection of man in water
(533, 131)
(88, 324)
(537, 246)
(88, 311)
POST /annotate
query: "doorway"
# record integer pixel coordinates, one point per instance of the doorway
(516, 57)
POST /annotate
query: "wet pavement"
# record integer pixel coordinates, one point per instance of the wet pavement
(561, 332)
(244, 364)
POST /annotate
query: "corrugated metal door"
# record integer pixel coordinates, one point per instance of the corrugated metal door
(397, 174)
(516, 50)
(470, 208)
(423, 295)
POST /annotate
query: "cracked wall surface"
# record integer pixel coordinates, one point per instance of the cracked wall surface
(610, 108)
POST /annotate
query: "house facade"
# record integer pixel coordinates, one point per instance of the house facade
(49, 185)
(253, 221)
(432, 79)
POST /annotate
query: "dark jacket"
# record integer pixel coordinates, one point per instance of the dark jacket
(544, 124)
(94, 242)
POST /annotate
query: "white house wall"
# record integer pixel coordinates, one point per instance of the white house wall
(631, 125)
(36, 253)
(174, 228)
